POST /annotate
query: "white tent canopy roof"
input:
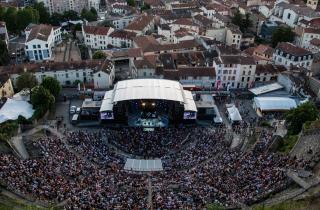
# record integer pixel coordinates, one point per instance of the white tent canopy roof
(13, 108)
(189, 105)
(266, 88)
(143, 165)
(107, 104)
(148, 89)
(233, 113)
(157, 89)
(274, 103)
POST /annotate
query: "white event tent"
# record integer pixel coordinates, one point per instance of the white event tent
(233, 113)
(13, 108)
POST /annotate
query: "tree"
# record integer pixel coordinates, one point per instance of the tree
(4, 55)
(295, 118)
(44, 15)
(42, 100)
(131, 3)
(282, 34)
(243, 21)
(53, 85)
(56, 19)
(145, 7)
(8, 129)
(26, 16)
(99, 55)
(2, 12)
(90, 15)
(11, 19)
(70, 15)
(26, 80)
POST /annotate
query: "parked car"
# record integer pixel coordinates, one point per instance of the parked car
(73, 109)
(78, 110)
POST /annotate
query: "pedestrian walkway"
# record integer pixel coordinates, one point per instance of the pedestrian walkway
(150, 203)
(294, 176)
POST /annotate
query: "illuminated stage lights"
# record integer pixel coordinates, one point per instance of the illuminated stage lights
(143, 104)
(153, 104)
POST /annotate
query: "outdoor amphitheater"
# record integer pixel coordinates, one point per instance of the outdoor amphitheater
(131, 168)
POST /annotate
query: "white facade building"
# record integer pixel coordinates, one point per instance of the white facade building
(234, 71)
(233, 36)
(40, 41)
(97, 74)
(290, 14)
(122, 39)
(96, 37)
(288, 55)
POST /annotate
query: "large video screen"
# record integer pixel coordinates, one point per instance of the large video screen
(189, 115)
(106, 116)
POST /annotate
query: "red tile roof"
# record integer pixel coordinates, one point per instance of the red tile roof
(121, 34)
(140, 23)
(41, 32)
(96, 30)
(292, 49)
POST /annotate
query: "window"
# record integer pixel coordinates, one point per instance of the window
(248, 79)
(99, 75)
(27, 47)
(84, 74)
(289, 15)
(46, 45)
(39, 46)
(34, 46)
(67, 75)
(77, 74)
(242, 79)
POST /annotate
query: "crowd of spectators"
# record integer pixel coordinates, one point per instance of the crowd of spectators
(199, 168)
(153, 144)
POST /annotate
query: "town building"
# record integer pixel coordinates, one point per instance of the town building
(141, 25)
(97, 74)
(289, 55)
(6, 88)
(4, 33)
(96, 37)
(60, 6)
(40, 41)
(234, 71)
(233, 36)
(121, 38)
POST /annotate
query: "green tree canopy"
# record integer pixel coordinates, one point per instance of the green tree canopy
(44, 15)
(99, 55)
(282, 34)
(53, 85)
(8, 129)
(131, 3)
(26, 16)
(56, 18)
(70, 15)
(26, 80)
(89, 15)
(243, 21)
(4, 55)
(295, 118)
(42, 100)
(145, 7)
(11, 18)
(2, 12)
